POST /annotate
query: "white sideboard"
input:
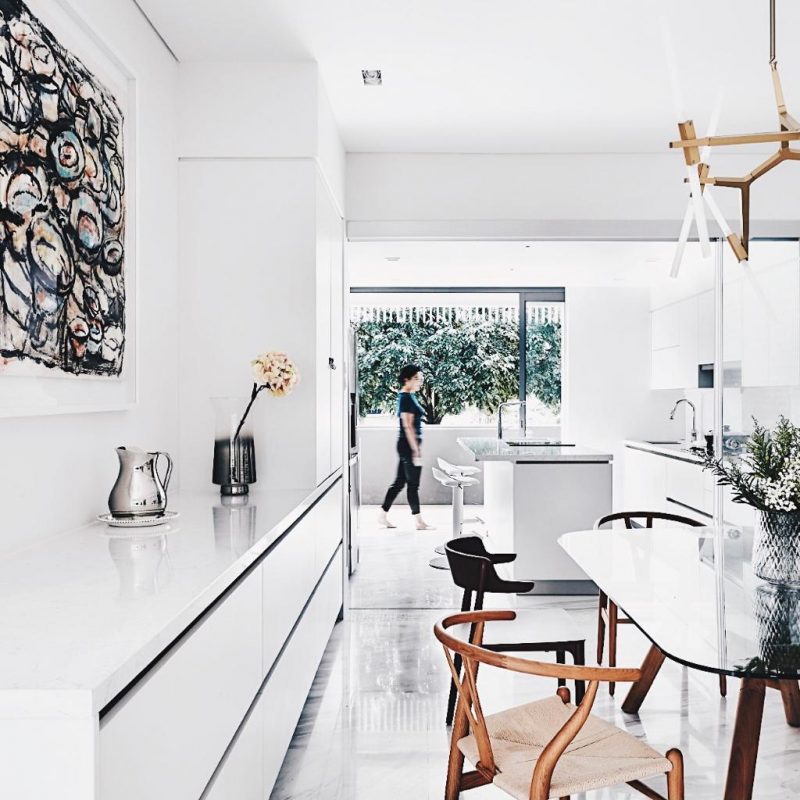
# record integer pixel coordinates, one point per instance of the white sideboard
(174, 663)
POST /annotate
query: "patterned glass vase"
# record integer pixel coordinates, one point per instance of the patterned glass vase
(776, 547)
(777, 614)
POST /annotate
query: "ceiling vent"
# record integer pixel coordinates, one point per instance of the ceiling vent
(371, 77)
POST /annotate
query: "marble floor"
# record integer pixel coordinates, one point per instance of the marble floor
(373, 727)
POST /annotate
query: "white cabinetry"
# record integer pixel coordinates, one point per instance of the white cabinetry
(674, 345)
(179, 718)
(655, 482)
(645, 483)
(214, 715)
(771, 324)
(705, 328)
(329, 335)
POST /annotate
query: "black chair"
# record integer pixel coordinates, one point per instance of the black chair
(472, 568)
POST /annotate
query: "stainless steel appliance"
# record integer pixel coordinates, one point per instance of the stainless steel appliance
(353, 458)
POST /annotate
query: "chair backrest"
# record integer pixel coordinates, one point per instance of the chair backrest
(469, 563)
(469, 713)
(472, 567)
(631, 519)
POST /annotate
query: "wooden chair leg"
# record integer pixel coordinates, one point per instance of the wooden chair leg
(675, 775)
(466, 604)
(612, 640)
(561, 659)
(723, 686)
(601, 625)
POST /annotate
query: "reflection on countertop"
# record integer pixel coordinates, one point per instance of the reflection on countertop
(677, 450)
(492, 449)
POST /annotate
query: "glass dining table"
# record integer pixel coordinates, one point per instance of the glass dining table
(693, 594)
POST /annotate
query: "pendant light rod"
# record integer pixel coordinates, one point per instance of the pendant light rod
(772, 57)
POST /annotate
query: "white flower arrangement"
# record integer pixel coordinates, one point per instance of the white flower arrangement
(767, 477)
(273, 372)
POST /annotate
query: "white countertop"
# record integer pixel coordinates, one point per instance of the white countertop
(85, 611)
(666, 449)
(492, 449)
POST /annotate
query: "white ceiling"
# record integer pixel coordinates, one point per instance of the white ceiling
(528, 264)
(521, 76)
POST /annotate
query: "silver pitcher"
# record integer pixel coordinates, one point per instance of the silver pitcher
(139, 490)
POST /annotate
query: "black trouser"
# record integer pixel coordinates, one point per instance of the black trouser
(407, 475)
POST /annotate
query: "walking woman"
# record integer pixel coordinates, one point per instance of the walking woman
(409, 443)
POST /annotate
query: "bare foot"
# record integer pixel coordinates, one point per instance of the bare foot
(384, 521)
(421, 525)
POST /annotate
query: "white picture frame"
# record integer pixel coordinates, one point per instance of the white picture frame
(26, 388)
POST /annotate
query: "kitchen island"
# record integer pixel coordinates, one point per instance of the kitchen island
(533, 494)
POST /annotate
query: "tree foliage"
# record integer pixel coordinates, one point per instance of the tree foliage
(543, 363)
(470, 362)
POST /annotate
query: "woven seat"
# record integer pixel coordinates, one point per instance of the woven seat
(546, 749)
(600, 755)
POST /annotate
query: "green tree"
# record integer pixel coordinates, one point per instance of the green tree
(465, 362)
(543, 363)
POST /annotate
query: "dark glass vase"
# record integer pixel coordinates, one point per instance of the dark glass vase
(234, 466)
(776, 547)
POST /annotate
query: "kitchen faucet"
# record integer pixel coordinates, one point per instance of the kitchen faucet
(522, 416)
(694, 417)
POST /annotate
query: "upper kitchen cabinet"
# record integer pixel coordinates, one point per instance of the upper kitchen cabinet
(674, 344)
(705, 327)
(770, 309)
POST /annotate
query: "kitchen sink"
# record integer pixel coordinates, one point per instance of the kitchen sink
(537, 443)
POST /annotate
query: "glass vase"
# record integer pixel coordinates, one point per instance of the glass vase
(776, 547)
(234, 466)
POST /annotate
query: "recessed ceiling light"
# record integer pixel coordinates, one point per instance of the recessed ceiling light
(392, 258)
(372, 77)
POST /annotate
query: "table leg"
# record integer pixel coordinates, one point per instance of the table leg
(790, 693)
(637, 693)
(746, 733)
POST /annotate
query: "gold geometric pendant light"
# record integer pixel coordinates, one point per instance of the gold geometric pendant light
(691, 144)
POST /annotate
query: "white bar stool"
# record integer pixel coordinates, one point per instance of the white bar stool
(458, 471)
(456, 482)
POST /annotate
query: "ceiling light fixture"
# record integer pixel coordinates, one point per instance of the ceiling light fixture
(372, 77)
(700, 180)
(392, 258)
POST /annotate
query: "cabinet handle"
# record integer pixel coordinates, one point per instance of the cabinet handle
(331, 363)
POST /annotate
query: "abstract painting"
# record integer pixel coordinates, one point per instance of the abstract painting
(62, 206)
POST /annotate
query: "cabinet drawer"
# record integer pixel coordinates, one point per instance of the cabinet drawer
(166, 736)
(685, 484)
(254, 759)
(292, 569)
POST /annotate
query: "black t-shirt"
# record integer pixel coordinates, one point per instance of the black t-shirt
(407, 403)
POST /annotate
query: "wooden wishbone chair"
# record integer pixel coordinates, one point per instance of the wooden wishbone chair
(548, 748)
(607, 610)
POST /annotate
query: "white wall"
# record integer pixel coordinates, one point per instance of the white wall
(622, 187)
(57, 471)
(262, 193)
(607, 373)
(233, 109)
(247, 232)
